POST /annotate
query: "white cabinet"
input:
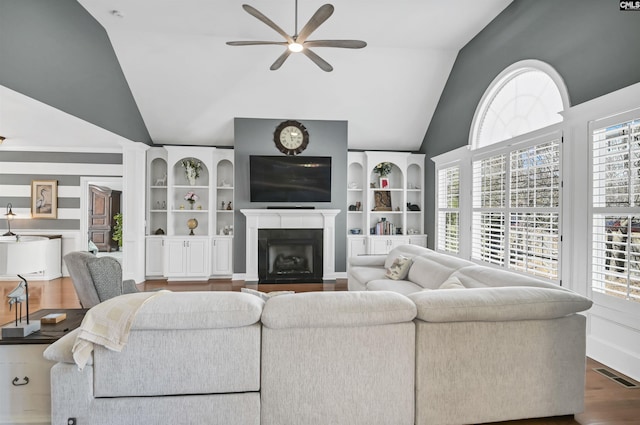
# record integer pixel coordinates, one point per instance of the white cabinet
(154, 256)
(221, 258)
(186, 257)
(420, 240)
(22, 401)
(384, 244)
(357, 245)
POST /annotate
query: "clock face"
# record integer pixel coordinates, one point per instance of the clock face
(291, 137)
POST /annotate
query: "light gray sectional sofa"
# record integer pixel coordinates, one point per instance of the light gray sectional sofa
(360, 357)
(502, 346)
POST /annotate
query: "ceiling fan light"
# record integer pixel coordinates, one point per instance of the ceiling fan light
(295, 47)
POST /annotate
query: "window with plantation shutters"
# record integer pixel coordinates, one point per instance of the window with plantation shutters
(448, 238)
(616, 210)
(516, 209)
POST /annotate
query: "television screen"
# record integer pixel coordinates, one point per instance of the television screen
(290, 178)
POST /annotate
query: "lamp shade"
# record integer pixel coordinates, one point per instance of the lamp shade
(28, 255)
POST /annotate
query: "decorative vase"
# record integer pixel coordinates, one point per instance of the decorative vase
(192, 180)
(191, 204)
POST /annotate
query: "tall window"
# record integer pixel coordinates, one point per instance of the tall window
(616, 210)
(449, 209)
(516, 209)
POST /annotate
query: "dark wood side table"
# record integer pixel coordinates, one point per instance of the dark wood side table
(25, 383)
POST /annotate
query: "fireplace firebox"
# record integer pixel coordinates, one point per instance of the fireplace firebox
(290, 255)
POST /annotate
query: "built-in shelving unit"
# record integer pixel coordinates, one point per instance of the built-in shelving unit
(176, 249)
(391, 206)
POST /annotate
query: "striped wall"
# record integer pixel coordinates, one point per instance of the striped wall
(19, 168)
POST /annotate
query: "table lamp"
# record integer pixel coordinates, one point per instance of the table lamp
(20, 257)
(9, 216)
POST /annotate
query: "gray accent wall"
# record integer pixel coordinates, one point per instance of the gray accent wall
(591, 43)
(255, 137)
(15, 184)
(56, 52)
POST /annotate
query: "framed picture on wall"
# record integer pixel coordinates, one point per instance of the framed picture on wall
(382, 200)
(44, 198)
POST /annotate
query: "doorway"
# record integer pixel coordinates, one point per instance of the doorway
(100, 199)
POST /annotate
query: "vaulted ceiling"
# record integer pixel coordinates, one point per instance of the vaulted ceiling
(189, 85)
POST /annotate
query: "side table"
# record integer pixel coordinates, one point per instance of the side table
(25, 385)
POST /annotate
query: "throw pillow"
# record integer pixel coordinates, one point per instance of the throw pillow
(399, 269)
(265, 295)
(452, 283)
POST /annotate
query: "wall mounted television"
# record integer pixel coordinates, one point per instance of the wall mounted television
(290, 178)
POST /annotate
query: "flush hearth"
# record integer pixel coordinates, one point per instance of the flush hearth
(290, 255)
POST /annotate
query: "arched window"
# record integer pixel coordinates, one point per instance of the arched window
(526, 96)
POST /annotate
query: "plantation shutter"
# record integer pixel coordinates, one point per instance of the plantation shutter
(448, 238)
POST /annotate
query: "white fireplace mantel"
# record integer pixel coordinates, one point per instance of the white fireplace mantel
(291, 219)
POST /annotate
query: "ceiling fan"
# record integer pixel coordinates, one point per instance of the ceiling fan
(298, 42)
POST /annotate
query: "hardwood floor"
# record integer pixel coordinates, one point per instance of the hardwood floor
(606, 402)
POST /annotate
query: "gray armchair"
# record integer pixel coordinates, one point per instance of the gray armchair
(96, 279)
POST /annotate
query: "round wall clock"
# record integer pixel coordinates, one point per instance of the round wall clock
(291, 137)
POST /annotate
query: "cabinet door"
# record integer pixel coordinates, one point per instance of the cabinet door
(378, 246)
(222, 256)
(396, 242)
(197, 257)
(356, 246)
(418, 240)
(154, 256)
(174, 258)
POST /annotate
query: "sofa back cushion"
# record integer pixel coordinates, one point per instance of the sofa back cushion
(476, 276)
(408, 251)
(432, 269)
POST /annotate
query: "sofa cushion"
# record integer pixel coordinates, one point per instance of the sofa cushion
(452, 283)
(199, 310)
(337, 309)
(475, 276)
(409, 251)
(366, 274)
(399, 268)
(497, 304)
(403, 287)
(432, 269)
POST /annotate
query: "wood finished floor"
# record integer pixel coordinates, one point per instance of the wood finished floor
(606, 402)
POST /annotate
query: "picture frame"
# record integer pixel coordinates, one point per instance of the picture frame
(384, 182)
(383, 200)
(44, 199)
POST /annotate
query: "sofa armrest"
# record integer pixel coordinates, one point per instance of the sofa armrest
(368, 260)
(129, 287)
(497, 304)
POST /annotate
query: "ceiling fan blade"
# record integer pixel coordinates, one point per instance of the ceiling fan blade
(346, 44)
(257, 14)
(255, 43)
(278, 63)
(321, 15)
(324, 65)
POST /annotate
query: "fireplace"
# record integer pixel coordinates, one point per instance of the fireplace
(290, 255)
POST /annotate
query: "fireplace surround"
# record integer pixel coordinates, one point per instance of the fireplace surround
(290, 255)
(296, 219)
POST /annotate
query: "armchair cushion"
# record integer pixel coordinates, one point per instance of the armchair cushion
(106, 274)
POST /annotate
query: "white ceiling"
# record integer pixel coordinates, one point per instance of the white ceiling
(189, 85)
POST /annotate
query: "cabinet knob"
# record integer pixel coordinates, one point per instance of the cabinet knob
(16, 381)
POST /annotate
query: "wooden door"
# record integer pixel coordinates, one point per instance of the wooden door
(104, 203)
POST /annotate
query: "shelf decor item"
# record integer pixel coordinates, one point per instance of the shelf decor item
(191, 198)
(383, 169)
(192, 223)
(192, 169)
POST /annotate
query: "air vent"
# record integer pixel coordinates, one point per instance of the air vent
(625, 382)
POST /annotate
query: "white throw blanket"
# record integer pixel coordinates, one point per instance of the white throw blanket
(108, 324)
